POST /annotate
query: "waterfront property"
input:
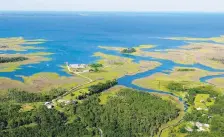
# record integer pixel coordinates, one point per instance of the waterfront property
(78, 66)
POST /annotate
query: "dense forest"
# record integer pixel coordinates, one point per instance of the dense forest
(21, 96)
(129, 113)
(12, 59)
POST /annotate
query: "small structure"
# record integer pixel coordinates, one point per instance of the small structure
(202, 101)
(3, 46)
(209, 116)
(206, 125)
(199, 108)
(201, 126)
(78, 66)
(189, 129)
(67, 102)
(198, 124)
(49, 105)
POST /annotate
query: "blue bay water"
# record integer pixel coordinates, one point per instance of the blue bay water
(74, 36)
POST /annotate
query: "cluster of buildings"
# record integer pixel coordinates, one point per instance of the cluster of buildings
(77, 67)
(50, 105)
(200, 127)
(67, 102)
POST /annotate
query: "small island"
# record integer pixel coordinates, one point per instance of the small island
(12, 59)
(128, 50)
(12, 62)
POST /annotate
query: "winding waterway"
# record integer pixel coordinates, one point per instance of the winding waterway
(165, 67)
(74, 38)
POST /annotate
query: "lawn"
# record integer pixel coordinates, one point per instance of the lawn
(202, 102)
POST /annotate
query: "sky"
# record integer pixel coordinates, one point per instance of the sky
(113, 5)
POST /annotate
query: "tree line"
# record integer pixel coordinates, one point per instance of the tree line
(102, 86)
(129, 113)
(12, 59)
(21, 96)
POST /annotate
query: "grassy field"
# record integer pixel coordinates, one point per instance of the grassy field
(115, 67)
(202, 102)
(214, 39)
(73, 95)
(41, 82)
(30, 106)
(219, 82)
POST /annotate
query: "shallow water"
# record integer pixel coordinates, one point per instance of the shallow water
(74, 37)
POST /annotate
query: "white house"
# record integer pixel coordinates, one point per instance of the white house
(199, 108)
(189, 129)
(198, 124)
(78, 66)
(206, 125)
(49, 105)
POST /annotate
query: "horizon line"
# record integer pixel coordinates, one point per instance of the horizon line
(111, 11)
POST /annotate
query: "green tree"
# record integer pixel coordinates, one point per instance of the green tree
(96, 66)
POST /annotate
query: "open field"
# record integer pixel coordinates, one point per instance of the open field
(217, 82)
(214, 39)
(41, 82)
(115, 67)
(201, 101)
